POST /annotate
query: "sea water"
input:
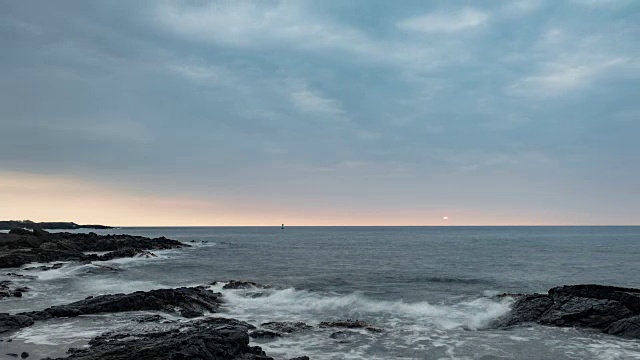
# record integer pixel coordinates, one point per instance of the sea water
(431, 289)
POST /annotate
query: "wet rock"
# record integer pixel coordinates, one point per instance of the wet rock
(300, 358)
(24, 355)
(264, 334)
(210, 339)
(45, 267)
(285, 326)
(150, 318)
(238, 284)
(22, 247)
(30, 277)
(341, 335)
(527, 309)
(40, 233)
(169, 300)
(628, 328)
(120, 253)
(350, 324)
(190, 313)
(20, 231)
(146, 254)
(613, 310)
(101, 268)
(512, 295)
(9, 289)
(12, 355)
(13, 322)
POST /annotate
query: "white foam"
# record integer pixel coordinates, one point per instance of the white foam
(300, 304)
(57, 334)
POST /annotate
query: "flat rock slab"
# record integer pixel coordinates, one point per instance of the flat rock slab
(190, 300)
(210, 339)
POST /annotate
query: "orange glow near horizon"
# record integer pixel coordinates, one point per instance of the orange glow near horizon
(60, 198)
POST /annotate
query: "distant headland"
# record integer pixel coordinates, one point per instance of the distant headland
(28, 224)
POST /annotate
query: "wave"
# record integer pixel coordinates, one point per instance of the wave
(306, 305)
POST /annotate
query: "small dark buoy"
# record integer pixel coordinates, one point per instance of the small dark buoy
(282, 226)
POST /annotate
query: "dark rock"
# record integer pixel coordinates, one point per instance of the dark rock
(20, 231)
(190, 313)
(40, 233)
(285, 327)
(24, 355)
(12, 355)
(238, 284)
(210, 339)
(628, 328)
(584, 312)
(13, 322)
(30, 277)
(101, 268)
(150, 318)
(350, 324)
(45, 267)
(300, 358)
(527, 309)
(512, 295)
(168, 300)
(120, 253)
(264, 334)
(8, 289)
(614, 310)
(28, 224)
(341, 335)
(126, 252)
(22, 247)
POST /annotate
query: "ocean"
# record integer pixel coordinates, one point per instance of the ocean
(432, 289)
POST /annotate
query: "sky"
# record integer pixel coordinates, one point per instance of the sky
(172, 113)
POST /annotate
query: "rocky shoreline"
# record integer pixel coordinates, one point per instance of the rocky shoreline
(20, 247)
(612, 310)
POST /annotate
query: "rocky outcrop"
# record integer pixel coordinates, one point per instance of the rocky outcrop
(213, 338)
(9, 289)
(181, 300)
(21, 247)
(629, 327)
(239, 284)
(13, 322)
(613, 310)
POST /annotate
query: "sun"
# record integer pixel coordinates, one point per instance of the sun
(445, 218)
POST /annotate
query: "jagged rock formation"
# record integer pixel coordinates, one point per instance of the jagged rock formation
(613, 310)
(20, 247)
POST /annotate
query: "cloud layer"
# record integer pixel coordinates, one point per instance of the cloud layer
(526, 108)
